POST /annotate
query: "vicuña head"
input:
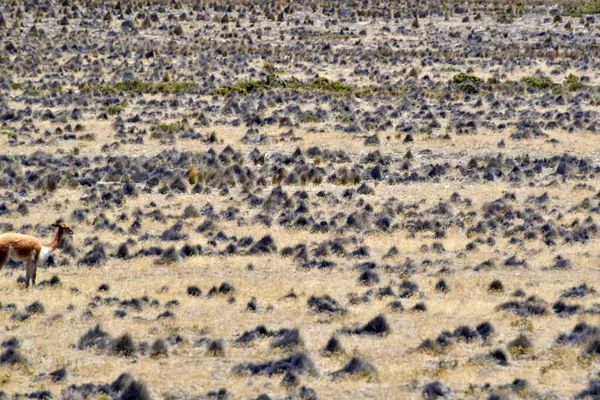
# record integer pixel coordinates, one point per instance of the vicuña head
(30, 250)
(61, 226)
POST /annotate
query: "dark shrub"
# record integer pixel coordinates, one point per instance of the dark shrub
(190, 250)
(123, 252)
(408, 289)
(12, 356)
(289, 380)
(377, 326)
(190, 212)
(582, 332)
(396, 306)
(124, 345)
(499, 356)
(289, 339)
(434, 390)
(166, 314)
(95, 257)
(174, 233)
(17, 316)
(13, 342)
(578, 291)
(562, 309)
(226, 288)
(429, 345)
(172, 303)
(485, 330)
(136, 390)
(216, 348)
(194, 291)
(95, 337)
(496, 286)
(561, 263)
(531, 306)
(593, 346)
(252, 305)
(247, 338)
(298, 363)
(324, 304)
(385, 291)
(121, 382)
(263, 246)
(35, 308)
(519, 346)
(40, 394)
(592, 392)
(357, 367)
(169, 256)
(333, 346)
(368, 278)
(55, 280)
(442, 286)
(58, 375)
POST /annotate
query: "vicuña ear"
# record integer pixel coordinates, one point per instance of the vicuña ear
(55, 225)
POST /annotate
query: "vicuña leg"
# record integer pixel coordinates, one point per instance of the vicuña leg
(28, 272)
(3, 257)
(34, 272)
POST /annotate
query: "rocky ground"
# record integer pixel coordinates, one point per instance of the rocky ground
(315, 199)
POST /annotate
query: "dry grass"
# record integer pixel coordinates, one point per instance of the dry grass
(388, 48)
(49, 339)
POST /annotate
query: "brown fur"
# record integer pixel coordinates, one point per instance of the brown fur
(28, 249)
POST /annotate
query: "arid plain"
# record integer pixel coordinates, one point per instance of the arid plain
(304, 200)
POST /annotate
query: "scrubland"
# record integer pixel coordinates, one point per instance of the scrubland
(303, 200)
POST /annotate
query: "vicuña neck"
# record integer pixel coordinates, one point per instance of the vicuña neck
(54, 243)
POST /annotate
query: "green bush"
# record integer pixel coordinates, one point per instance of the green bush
(572, 83)
(589, 7)
(223, 90)
(168, 128)
(269, 68)
(134, 86)
(249, 86)
(539, 83)
(292, 84)
(272, 81)
(467, 83)
(329, 86)
(309, 117)
(175, 87)
(139, 87)
(467, 78)
(115, 109)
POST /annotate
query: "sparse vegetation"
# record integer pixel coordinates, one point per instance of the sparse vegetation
(538, 83)
(467, 83)
(115, 109)
(129, 87)
(140, 87)
(573, 83)
(355, 199)
(272, 81)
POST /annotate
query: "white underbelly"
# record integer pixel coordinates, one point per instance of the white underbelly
(44, 255)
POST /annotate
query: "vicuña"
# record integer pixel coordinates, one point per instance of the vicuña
(30, 250)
